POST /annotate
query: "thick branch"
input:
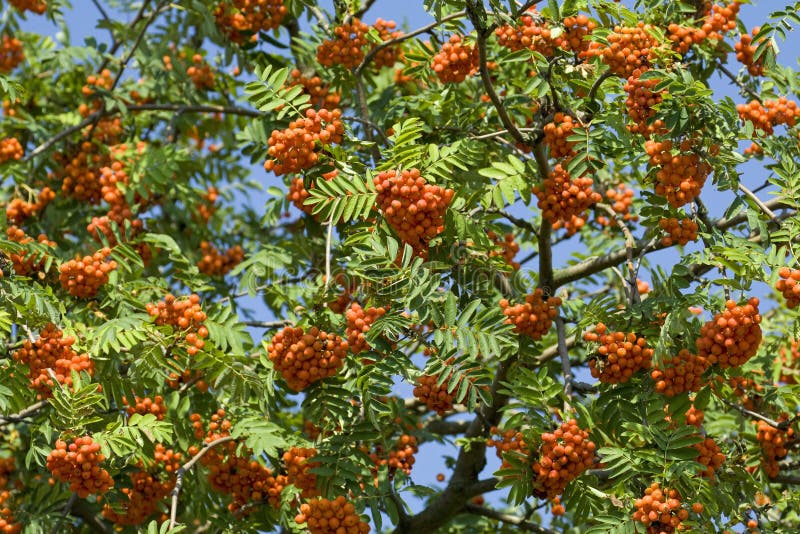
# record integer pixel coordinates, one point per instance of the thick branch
(22, 414)
(546, 280)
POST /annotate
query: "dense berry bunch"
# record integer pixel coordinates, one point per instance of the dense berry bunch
(680, 177)
(564, 201)
(527, 34)
(413, 208)
(18, 210)
(694, 416)
(213, 263)
(628, 50)
(298, 467)
(24, 262)
(10, 150)
(749, 392)
(563, 455)
(534, 317)
(508, 248)
(789, 360)
(399, 457)
(36, 6)
(207, 208)
(186, 315)
(640, 104)
(103, 81)
(660, 510)
(80, 172)
(200, 73)
(775, 445)
(239, 18)
(710, 456)
(8, 523)
(347, 49)
(320, 93)
(359, 322)
(304, 357)
(732, 337)
(83, 277)
(11, 53)
(618, 356)
(146, 405)
(78, 464)
(720, 19)
(680, 231)
(387, 56)
(684, 37)
(620, 199)
(435, 396)
(246, 481)
(52, 352)
(746, 51)
(680, 374)
(456, 61)
(788, 286)
(576, 29)
(295, 148)
(338, 516)
(556, 134)
(508, 441)
(769, 114)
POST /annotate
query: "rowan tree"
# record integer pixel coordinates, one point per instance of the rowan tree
(263, 259)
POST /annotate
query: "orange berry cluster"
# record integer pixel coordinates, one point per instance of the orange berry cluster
(621, 200)
(556, 134)
(359, 322)
(215, 264)
(563, 200)
(200, 73)
(732, 337)
(618, 356)
(680, 374)
(680, 231)
(775, 445)
(304, 357)
(295, 148)
(297, 463)
(694, 416)
(186, 315)
(660, 510)
(320, 93)
(745, 53)
(788, 286)
(8, 523)
(435, 396)
(509, 441)
(628, 50)
(413, 208)
(104, 81)
(148, 488)
(576, 29)
(680, 177)
(18, 210)
(80, 172)
(323, 516)
(24, 263)
(207, 208)
(771, 113)
(36, 6)
(347, 48)
(10, 150)
(51, 351)
(399, 457)
(789, 360)
(640, 104)
(527, 34)
(748, 391)
(508, 248)
(720, 19)
(534, 317)
(710, 456)
(456, 61)
(298, 193)
(387, 56)
(11, 53)
(563, 455)
(146, 405)
(240, 18)
(78, 464)
(83, 277)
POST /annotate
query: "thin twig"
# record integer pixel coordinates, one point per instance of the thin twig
(782, 425)
(266, 324)
(732, 77)
(517, 521)
(764, 208)
(372, 53)
(630, 243)
(64, 513)
(138, 41)
(23, 414)
(179, 474)
(328, 240)
(566, 368)
(103, 13)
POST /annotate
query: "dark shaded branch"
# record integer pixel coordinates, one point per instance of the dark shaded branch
(20, 416)
(546, 280)
(737, 82)
(519, 522)
(84, 511)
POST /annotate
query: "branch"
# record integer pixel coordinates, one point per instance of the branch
(176, 491)
(266, 324)
(546, 279)
(732, 77)
(516, 221)
(22, 414)
(64, 513)
(103, 14)
(786, 479)
(780, 425)
(517, 521)
(372, 53)
(763, 207)
(83, 510)
(630, 242)
(566, 368)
